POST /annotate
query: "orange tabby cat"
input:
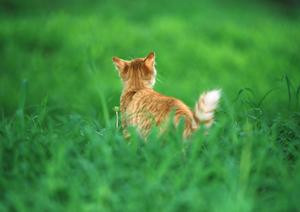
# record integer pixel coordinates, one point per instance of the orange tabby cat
(142, 107)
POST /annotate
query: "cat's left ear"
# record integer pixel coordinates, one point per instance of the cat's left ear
(119, 63)
(150, 60)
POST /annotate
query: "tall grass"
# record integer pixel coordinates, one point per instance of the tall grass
(72, 163)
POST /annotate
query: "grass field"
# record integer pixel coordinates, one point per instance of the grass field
(60, 150)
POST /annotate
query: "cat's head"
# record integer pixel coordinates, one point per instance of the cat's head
(137, 73)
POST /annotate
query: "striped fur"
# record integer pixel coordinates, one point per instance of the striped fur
(142, 107)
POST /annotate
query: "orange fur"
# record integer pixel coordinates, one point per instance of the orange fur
(142, 107)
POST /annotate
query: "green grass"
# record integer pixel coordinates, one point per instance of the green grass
(60, 150)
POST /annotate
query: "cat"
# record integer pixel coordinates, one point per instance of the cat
(141, 106)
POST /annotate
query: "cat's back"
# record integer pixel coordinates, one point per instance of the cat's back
(150, 101)
(147, 106)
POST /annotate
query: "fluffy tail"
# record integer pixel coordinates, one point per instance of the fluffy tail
(206, 106)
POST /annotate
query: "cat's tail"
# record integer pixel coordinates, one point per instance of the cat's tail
(206, 106)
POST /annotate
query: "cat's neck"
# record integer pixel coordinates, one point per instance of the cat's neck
(133, 89)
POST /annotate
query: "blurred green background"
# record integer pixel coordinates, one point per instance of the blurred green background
(59, 149)
(64, 49)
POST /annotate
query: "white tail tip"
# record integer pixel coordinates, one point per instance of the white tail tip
(206, 106)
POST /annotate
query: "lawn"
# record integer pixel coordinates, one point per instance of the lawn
(60, 149)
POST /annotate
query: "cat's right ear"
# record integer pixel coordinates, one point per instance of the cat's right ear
(150, 60)
(119, 63)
